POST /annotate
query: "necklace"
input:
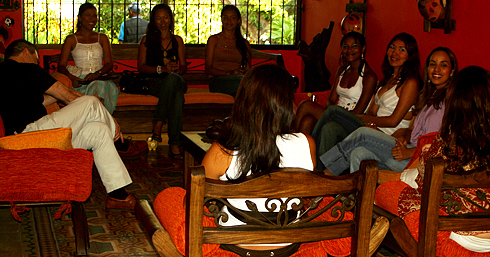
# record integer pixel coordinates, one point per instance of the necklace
(165, 49)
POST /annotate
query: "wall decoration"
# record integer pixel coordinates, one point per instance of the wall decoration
(437, 14)
(6, 26)
(355, 20)
(9, 5)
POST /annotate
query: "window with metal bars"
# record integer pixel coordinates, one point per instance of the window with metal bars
(264, 22)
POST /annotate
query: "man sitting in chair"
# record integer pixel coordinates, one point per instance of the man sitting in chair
(27, 89)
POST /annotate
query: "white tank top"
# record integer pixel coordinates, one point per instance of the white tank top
(387, 104)
(295, 153)
(89, 57)
(348, 97)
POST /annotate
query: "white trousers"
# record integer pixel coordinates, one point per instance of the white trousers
(93, 128)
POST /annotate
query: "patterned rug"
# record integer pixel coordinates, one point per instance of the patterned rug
(115, 232)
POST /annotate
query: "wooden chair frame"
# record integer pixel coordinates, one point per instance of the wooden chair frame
(435, 182)
(286, 183)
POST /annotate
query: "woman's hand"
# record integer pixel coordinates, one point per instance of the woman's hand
(172, 67)
(91, 76)
(401, 152)
(367, 119)
(74, 81)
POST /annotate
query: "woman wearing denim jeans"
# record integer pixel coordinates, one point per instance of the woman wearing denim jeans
(390, 107)
(394, 153)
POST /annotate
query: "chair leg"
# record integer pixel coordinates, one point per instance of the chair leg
(80, 227)
(378, 233)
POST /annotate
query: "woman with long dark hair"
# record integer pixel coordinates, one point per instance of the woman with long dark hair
(355, 83)
(389, 110)
(92, 54)
(161, 57)
(394, 153)
(464, 144)
(228, 54)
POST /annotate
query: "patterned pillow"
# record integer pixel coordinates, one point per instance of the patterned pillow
(53, 138)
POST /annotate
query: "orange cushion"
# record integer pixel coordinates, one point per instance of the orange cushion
(190, 98)
(53, 138)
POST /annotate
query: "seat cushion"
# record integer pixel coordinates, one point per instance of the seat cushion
(40, 175)
(52, 138)
(124, 99)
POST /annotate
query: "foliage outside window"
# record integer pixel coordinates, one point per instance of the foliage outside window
(264, 22)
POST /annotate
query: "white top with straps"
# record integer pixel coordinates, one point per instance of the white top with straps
(89, 57)
(387, 104)
(295, 153)
(348, 97)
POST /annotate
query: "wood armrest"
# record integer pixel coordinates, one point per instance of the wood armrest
(146, 216)
(388, 175)
(164, 244)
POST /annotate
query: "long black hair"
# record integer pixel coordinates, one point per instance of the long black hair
(239, 40)
(410, 68)
(262, 111)
(430, 95)
(153, 34)
(465, 125)
(81, 10)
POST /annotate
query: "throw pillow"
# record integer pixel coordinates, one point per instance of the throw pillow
(53, 138)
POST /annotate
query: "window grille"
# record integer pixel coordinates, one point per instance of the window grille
(264, 22)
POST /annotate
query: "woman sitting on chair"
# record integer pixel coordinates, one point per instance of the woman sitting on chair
(464, 144)
(259, 140)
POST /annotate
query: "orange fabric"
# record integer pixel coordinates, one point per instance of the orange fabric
(423, 140)
(53, 138)
(169, 210)
(124, 99)
(387, 195)
(44, 175)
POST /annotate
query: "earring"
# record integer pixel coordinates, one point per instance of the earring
(362, 56)
(428, 81)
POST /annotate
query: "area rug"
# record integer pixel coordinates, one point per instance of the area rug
(114, 232)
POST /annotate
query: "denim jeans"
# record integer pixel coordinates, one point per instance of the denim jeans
(170, 91)
(335, 124)
(363, 144)
(225, 84)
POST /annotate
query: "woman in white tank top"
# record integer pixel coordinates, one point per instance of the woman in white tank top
(92, 54)
(354, 85)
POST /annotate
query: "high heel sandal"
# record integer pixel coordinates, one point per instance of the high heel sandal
(157, 137)
(175, 156)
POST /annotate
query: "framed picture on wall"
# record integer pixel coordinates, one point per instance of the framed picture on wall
(9, 5)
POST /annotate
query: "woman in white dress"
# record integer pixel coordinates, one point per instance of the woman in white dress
(92, 54)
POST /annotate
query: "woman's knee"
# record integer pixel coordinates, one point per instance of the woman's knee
(307, 124)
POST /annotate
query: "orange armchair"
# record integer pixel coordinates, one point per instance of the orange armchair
(40, 176)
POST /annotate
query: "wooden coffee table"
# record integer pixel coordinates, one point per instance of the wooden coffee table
(195, 144)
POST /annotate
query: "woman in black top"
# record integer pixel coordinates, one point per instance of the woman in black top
(161, 56)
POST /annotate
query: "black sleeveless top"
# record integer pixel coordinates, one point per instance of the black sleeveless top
(154, 55)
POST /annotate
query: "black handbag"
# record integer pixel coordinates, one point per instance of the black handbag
(133, 82)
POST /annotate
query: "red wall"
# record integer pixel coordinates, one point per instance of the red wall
(387, 18)
(14, 31)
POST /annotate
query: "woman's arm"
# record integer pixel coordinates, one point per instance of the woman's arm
(216, 161)
(68, 46)
(108, 63)
(312, 144)
(369, 83)
(182, 61)
(334, 96)
(142, 66)
(408, 94)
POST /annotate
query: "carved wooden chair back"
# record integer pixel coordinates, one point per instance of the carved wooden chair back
(437, 185)
(354, 192)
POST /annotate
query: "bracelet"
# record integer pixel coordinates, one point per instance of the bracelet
(100, 73)
(159, 69)
(371, 124)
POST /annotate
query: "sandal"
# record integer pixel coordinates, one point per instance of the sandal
(176, 156)
(156, 137)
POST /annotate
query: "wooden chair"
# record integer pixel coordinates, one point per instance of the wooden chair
(354, 192)
(436, 183)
